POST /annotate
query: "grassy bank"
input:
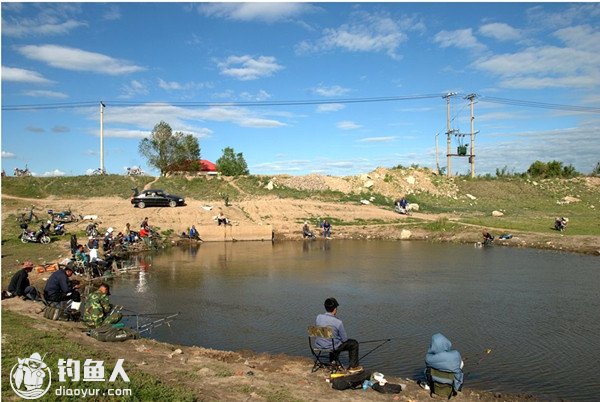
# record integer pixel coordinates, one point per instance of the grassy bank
(73, 186)
(20, 339)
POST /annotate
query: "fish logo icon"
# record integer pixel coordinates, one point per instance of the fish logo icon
(30, 377)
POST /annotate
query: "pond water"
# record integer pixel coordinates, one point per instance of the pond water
(537, 311)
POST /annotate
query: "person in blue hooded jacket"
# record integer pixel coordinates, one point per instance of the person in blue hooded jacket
(441, 356)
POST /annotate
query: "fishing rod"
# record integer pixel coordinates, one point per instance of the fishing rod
(485, 352)
(157, 323)
(165, 319)
(377, 340)
(383, 342)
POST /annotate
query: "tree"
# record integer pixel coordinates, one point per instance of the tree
(232, 164)
(164, 149)
(551, 169)
(596, 171)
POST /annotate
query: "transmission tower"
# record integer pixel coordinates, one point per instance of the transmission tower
(461, 150)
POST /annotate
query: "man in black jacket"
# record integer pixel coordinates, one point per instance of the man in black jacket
(19, 284)
(59, 287)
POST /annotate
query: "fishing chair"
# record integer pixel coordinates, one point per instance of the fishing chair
(324, 357)
(441, 383)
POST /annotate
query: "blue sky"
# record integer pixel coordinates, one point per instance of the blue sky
(202, 68)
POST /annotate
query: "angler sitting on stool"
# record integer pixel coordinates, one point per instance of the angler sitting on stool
(341, 341)
(98, 310)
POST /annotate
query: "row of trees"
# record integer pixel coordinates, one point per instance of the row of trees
(547, 170)
(168, 151)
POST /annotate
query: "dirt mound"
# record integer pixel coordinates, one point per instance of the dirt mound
(391, 183)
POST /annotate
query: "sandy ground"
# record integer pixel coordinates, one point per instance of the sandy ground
(286, 217)
(250, 376)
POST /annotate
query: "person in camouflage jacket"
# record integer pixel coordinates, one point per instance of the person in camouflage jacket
(98, 308)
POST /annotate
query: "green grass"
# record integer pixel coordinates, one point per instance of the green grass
(20, 339)
(73, 186)
(15, 252)
(526, 206)
(212, 189)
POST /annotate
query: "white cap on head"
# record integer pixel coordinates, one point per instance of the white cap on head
(109, 230)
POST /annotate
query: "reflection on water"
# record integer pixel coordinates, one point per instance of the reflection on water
(537, 311)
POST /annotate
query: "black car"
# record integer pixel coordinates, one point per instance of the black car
(156, 198)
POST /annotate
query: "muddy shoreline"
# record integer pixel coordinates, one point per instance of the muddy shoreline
(217, 375)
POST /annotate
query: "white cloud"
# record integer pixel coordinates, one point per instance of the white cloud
(53, 173)
(545, 67)
(77, 60)
(377, 139)
(112, 14)
(348, 125)
(267, 12)
(366, 32)
(21, 75)
(45, 94)
(581, 37)
(134, 88)
(540, 17)
(461, 38)
(37, 27)
(577, 146)
(246, 68)
(137, 121)
(259, 96)
(500, 31)
(282, 166)
(8, 155)
(334, 90)
(178, 86)
(330, 107)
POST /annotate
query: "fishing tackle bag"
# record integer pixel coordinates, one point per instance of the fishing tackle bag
(61, 314)
(350, 381)
(387, 388)
(110, 333)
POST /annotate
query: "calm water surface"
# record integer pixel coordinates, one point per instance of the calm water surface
(537, 311)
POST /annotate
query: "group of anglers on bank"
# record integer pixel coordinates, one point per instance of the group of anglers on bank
(61, 290)
(443, 374)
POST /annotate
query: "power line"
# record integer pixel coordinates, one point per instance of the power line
(306, 102)
(221, 104)
(542, 105)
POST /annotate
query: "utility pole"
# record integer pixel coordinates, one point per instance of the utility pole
(437, 159)
(471, 98)
(102, 106)
(448, 133)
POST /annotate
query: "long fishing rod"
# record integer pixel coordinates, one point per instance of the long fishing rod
(157, 323)
(377, 340)
(483, 355)
(166, 318)
(383, 342)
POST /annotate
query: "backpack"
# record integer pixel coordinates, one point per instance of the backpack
(110, 333)
(350, 381)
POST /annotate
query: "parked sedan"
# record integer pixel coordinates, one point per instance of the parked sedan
(156, 198)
